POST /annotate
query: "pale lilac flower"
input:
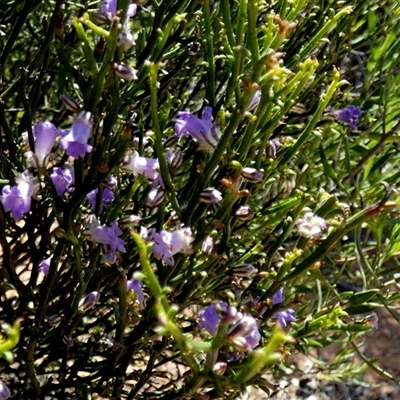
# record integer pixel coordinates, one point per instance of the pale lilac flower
(18, 198)
(168, 243)
(138, 165)
(348, 115)
(107, 197)
(110, 7)
(284, 317)
(136, 286)
(244, 334)
(4, 391)
(202, 129)
(125, 39)
(75, 141)
(273, 146)
(108, 236)
(311, 226)
(89, 301)
(45, 134)
(62, 179)
(44, 265)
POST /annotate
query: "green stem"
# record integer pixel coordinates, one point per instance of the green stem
(158, 142)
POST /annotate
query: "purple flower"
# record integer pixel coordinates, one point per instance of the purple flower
(348, 115)
(138, 165)
(136, 286)
(108, 237)
(44, 265)
(210, 317)
(210, 196)
(108, 197)
(284, 317)
(45, 134)
(17, 199)
(244, 334)
(4, 391)
(277, 298)
(62, 179)
(168, 243)
(202, 129)
(75, 141)
(110, 6)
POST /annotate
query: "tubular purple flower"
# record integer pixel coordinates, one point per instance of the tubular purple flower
(108, 237)
(44, 265)
(136, 286)
(284, 317)
(168, 243)
(202, 129)
(349, 115)
(45, 134)
(110, 7)
(75, 141)
(4, 391)
(277, 298)
(210, 317)
(138, 165)
(62, 179)
(17, 199)
(108, 197)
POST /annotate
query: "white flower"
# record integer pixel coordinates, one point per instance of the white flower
(311, 226)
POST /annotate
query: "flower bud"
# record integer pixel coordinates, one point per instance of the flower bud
(210, 196)
(125, 72)
(171, 141)
(208, 246)
(130, 220)
(252, 175)
(68, 341)
(54, 320)
(219, 367)
(245, 213)
(4, 391)
(89, 301)
(244, 270)
(230, 314)
(101, 18)
(70, 103)
(244, 334)
(175, 161)
(154, 198)
(125, 40)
